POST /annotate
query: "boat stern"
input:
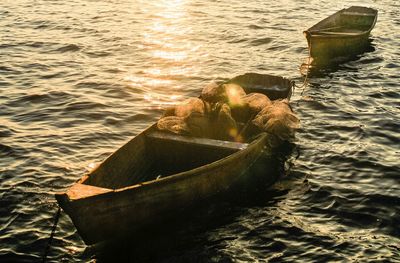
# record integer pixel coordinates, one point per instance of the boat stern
(76, 204)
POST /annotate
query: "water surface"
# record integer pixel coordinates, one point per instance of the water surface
(79, 78)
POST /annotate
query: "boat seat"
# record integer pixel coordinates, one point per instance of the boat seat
(211, 143)
(79, 191)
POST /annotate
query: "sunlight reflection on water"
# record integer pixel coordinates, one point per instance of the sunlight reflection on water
(78, 79)
(169, 55)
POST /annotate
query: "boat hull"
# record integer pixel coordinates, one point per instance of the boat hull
(327, 47)
(343, 34)
(119, 212)
(156, 174)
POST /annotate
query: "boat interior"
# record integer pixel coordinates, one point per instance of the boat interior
(352, 20)
(154, 154)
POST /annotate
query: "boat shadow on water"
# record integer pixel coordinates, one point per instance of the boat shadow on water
(182, 237)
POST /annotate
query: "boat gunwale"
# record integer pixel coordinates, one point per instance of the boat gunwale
(319, 33)
(171, 178)
(338, 35)
(223, 172)
(186, 174)
(63, 196)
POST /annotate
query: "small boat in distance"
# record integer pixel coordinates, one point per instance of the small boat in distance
(342, 34)
(156, 174)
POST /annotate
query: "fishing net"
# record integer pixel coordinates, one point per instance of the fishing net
(230, 93)
(225, 127)
(213, 92)
(256, 101)
(278, 119)
(187, 107)
(199, 125)
(173, 124)
(222, 108)
(250, 105)
(234, 94)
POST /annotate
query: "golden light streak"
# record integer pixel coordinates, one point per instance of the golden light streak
(168, 55)
(234, 94)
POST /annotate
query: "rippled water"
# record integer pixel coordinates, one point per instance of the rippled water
(79, 78)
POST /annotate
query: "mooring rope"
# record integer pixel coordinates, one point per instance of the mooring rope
(307, 71)
(303, 86)
(53, 230)
(305, 82)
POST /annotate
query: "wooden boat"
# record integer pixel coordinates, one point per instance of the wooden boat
(342, 34)
(156, 173)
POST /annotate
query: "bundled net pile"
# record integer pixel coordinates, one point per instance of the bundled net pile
(220, 109)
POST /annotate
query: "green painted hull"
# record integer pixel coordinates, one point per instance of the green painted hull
(342, 34)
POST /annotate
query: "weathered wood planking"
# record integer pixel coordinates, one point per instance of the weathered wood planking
(344, 33)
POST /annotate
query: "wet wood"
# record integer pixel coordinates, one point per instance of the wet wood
(342, 34)
(191, 141)
(80, 191)
(155, 174)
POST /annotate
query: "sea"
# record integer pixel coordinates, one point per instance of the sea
(80, 78)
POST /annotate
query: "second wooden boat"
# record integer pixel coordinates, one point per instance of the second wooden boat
(156, 174)
(344, 33)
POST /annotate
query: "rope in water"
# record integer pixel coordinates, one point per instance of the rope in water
(53, 230)
(305, 82)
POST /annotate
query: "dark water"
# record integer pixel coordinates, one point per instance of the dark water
(79, 78)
